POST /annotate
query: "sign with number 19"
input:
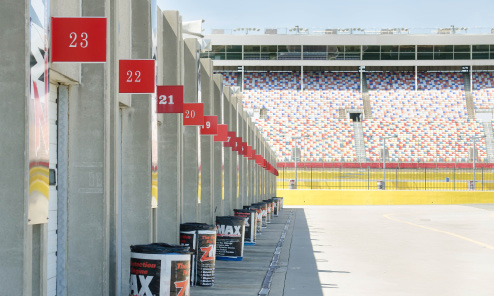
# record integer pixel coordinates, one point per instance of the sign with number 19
(170, 99)
(210, 126)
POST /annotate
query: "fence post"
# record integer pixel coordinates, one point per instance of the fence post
(339, 179)
(425, 178)
(283, 177)
(396, 179)
(311, 177)
(482, 179)
(454, 178)
(368, 178)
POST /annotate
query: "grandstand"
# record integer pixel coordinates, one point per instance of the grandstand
(427, 94)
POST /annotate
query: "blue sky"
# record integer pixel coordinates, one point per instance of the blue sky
(335, 14)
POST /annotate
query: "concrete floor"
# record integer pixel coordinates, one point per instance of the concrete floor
(369, 251)
(394, 250)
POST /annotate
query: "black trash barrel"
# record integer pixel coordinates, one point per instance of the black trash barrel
(264, 207)
(159, 269)
(270, 203)
(258, 209)
(230, 231)
(201, 238)
(276, 206)
(250, 224)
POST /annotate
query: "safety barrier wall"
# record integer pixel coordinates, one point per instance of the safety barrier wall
(375, 197)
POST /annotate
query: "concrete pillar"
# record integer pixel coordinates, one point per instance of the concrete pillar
(135, 203)
(170, 137)
(218, 170)
(235, 168)
(240, 165)
(243, 161)
(228, 206)
(191, 210)
(250, 166)
(89, 171)
(207, 150)
(15, 89)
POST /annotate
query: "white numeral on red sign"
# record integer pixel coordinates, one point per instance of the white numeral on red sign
(190, 114)
(84, 43)
(162, 100)
(137, 74)
(208, 124)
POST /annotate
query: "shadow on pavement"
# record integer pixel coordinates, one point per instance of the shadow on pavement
(302, 275)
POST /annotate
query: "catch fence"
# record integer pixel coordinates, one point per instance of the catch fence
(449, 177)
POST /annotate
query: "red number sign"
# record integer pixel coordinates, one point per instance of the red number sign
(252, 155)
(78, 39)
(193, 114)
(248, 150)
(237, 144)
(136, 76)
(170, 98)
(243, 150)
(222, 135)
(210, 126)
(230, 142)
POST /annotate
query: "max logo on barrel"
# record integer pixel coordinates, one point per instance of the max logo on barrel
(228, 230)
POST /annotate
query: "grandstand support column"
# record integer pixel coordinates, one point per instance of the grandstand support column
(243, 75)
(234, 160)
(134, 221)
(301, 78)
(416, 79)
(170, 133)
(218, 170)
(190, 203)
(207, 160)
(227, 210)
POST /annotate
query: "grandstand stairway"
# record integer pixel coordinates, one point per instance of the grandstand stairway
(468, 96)
(489, 140)
(359, 141)
(366, 98)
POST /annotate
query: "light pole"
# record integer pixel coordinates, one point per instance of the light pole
(296, 138)
(384, 158)
(474, 156)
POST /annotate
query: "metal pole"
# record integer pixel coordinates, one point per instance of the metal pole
(474, 142)
(384, 163)
(296, 184)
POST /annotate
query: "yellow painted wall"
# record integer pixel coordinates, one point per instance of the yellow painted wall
(375, 197)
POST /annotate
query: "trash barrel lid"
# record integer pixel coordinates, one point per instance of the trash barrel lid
(196, 226)
(160, 248)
